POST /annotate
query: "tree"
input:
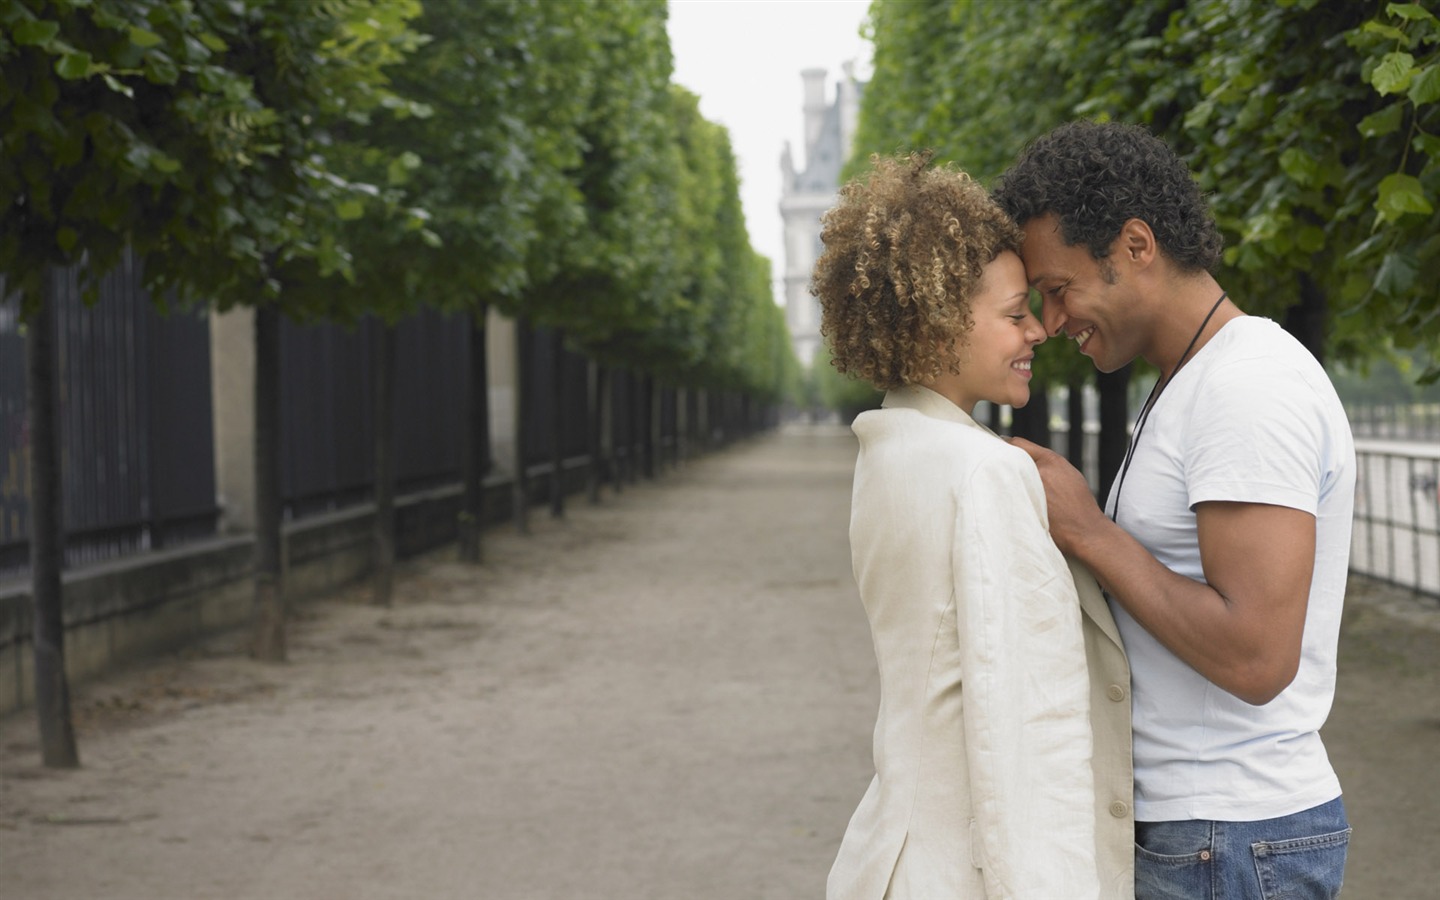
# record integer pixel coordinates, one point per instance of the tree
(188, 133)
(1328, 225)
(605, 279)
(1317, 159)
(319, 69)
(1400, 59)
(507, 83)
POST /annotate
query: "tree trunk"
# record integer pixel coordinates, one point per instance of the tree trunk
(645, 404)
(682, 426)
(1306, 319)
(594, 423)
(267, 639)
(52, 688)
(520, 491)
(557, 424)
(702, 419)
(610, 443)
(657, 426)
(1114, 390)
(632, 448)
(477, 443)
(1075, 412)
(384, 530)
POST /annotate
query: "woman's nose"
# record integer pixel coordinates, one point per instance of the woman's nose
(1035, 332)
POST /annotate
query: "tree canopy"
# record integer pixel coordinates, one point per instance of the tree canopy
(195, 134)
(1310, 124)
(517, 153)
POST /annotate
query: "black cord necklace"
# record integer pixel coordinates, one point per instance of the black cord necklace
(1150, 401)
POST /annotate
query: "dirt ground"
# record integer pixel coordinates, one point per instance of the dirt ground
(669, 695)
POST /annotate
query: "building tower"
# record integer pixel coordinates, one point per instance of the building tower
(806, 195)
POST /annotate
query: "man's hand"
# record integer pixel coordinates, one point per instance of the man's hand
(1073, 511)
(1242, 626)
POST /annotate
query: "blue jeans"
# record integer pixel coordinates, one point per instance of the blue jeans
(1295, 857)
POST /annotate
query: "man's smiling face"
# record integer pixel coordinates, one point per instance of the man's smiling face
(1082, 298)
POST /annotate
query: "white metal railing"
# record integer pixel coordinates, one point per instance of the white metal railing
(1396, 536)
(1397, 421)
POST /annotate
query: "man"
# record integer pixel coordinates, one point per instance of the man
(1224, 543)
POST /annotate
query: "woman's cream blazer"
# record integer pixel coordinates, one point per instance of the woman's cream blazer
(983, 780)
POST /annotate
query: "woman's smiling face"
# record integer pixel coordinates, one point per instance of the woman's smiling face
(996, 353)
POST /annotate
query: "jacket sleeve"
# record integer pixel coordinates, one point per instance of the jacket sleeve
(1026, 692)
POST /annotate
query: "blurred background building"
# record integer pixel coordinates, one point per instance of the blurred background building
(806, 194)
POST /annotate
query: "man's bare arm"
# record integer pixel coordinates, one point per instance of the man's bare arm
(1243, 629)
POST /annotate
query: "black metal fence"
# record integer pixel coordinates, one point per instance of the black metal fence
(137, 450)
(540, 369)
(620, 406)
(14, 443)
(137, 426)
(327, 415)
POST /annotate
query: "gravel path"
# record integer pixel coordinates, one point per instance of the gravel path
(668, 695)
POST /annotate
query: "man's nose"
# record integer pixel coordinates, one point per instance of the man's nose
(1052, 314)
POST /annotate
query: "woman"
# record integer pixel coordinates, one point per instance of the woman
(983, 784)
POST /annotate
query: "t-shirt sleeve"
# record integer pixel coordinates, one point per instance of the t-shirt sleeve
(1255, 436)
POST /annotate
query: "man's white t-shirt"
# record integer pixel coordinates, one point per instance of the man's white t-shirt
(1251, 417)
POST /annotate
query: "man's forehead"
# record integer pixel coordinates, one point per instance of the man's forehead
(1040, 266)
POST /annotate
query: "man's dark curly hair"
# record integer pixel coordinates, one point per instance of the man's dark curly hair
(1094, 176)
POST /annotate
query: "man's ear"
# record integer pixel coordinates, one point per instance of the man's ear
(1136, 243)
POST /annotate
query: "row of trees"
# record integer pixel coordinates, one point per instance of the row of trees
(1312, 125)
(338, 159)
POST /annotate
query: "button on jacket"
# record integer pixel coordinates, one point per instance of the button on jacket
(1110, 721)
(984, 786)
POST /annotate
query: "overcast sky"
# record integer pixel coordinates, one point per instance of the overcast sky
(743, 58)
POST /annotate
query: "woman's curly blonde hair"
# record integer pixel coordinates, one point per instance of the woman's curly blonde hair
(904, 251)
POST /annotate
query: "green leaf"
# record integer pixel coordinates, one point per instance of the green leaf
(161, 69)
(214, 42)
(162, 163)
(73, 66)
(67, 238)
(1427, 144)
(118, 86)
(1310, 238)
(398, 172)
(1394, 73)
(1389, 32)
(141, 37)
(212, 79)
(350, 210)
(1425, 88)
(35, 33)
(1299, 166)
(1396, 275)
(1399, 195)
(1414, 12)
(1199, 115)
(1386, 121)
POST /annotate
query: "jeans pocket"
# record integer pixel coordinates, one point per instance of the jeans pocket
(1305, 868)
(1173, 865)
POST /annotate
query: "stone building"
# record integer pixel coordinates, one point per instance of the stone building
(806, 194)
